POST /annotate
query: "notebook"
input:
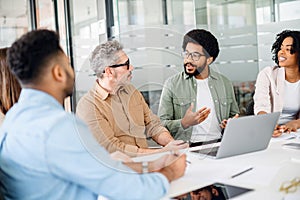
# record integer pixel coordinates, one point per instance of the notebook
(244, 135)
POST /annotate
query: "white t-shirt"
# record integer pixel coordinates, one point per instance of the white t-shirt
(209, 129)
(291, 105)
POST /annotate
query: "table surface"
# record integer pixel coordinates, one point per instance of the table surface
(271, 167)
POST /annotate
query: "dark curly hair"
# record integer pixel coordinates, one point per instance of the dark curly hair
(29, 55)
(279, 39)
(204, 38)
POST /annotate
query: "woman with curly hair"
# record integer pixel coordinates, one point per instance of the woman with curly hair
(278, 87)
(9, 86)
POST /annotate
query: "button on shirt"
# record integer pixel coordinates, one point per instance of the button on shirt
(47, 153)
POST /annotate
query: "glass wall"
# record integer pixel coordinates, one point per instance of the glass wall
(45, 14)
(234, 24)
(88, 25)
(284, 15)
(14, 20)
(152, 32)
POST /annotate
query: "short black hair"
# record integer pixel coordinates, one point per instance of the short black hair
(204, 38)
(28, 56)
(279, 39)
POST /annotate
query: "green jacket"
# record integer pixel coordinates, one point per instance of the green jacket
(180, 91)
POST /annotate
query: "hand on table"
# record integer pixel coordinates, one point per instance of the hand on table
(175, 145)
(291, 126)
(175, 166)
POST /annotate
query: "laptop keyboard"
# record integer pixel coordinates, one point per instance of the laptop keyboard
(208, 151)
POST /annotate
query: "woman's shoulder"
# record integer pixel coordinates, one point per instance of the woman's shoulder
(270, 68)
(272, 71)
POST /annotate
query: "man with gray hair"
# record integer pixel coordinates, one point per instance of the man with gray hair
(116, 111)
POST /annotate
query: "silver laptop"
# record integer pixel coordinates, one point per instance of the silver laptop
(244, 135)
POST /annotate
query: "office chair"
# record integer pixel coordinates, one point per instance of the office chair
(250, 108)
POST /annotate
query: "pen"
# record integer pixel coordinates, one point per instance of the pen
(177, 155)
(242, 172)
(187, 161)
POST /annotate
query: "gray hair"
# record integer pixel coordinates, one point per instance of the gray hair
(104, 55)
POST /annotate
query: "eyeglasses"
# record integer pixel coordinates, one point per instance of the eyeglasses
(127, 63)
(195, 55)
(290, 186)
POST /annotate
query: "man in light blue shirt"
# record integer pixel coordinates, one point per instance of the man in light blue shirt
(47, 153)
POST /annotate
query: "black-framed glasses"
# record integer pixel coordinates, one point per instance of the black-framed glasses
(195, 55)
(127, 63)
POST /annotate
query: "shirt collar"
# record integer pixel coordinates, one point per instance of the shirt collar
(186, 76)
(33, 95)
(212, 74)
(103, 93)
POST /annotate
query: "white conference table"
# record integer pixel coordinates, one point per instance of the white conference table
(271, 167)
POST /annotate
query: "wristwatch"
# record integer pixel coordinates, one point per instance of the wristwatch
(145, 167)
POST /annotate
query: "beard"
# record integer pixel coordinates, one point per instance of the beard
(124, 80)
(70, 84)
(198, 70)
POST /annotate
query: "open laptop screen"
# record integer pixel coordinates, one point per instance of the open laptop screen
(244, 135)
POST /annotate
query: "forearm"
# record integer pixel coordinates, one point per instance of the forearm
(171, 166)
(148, 151)
(163, 138)
(135, 166)
(298, 123)
(150, 166)
(168, 173)
(262, 112)
(184, 124)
